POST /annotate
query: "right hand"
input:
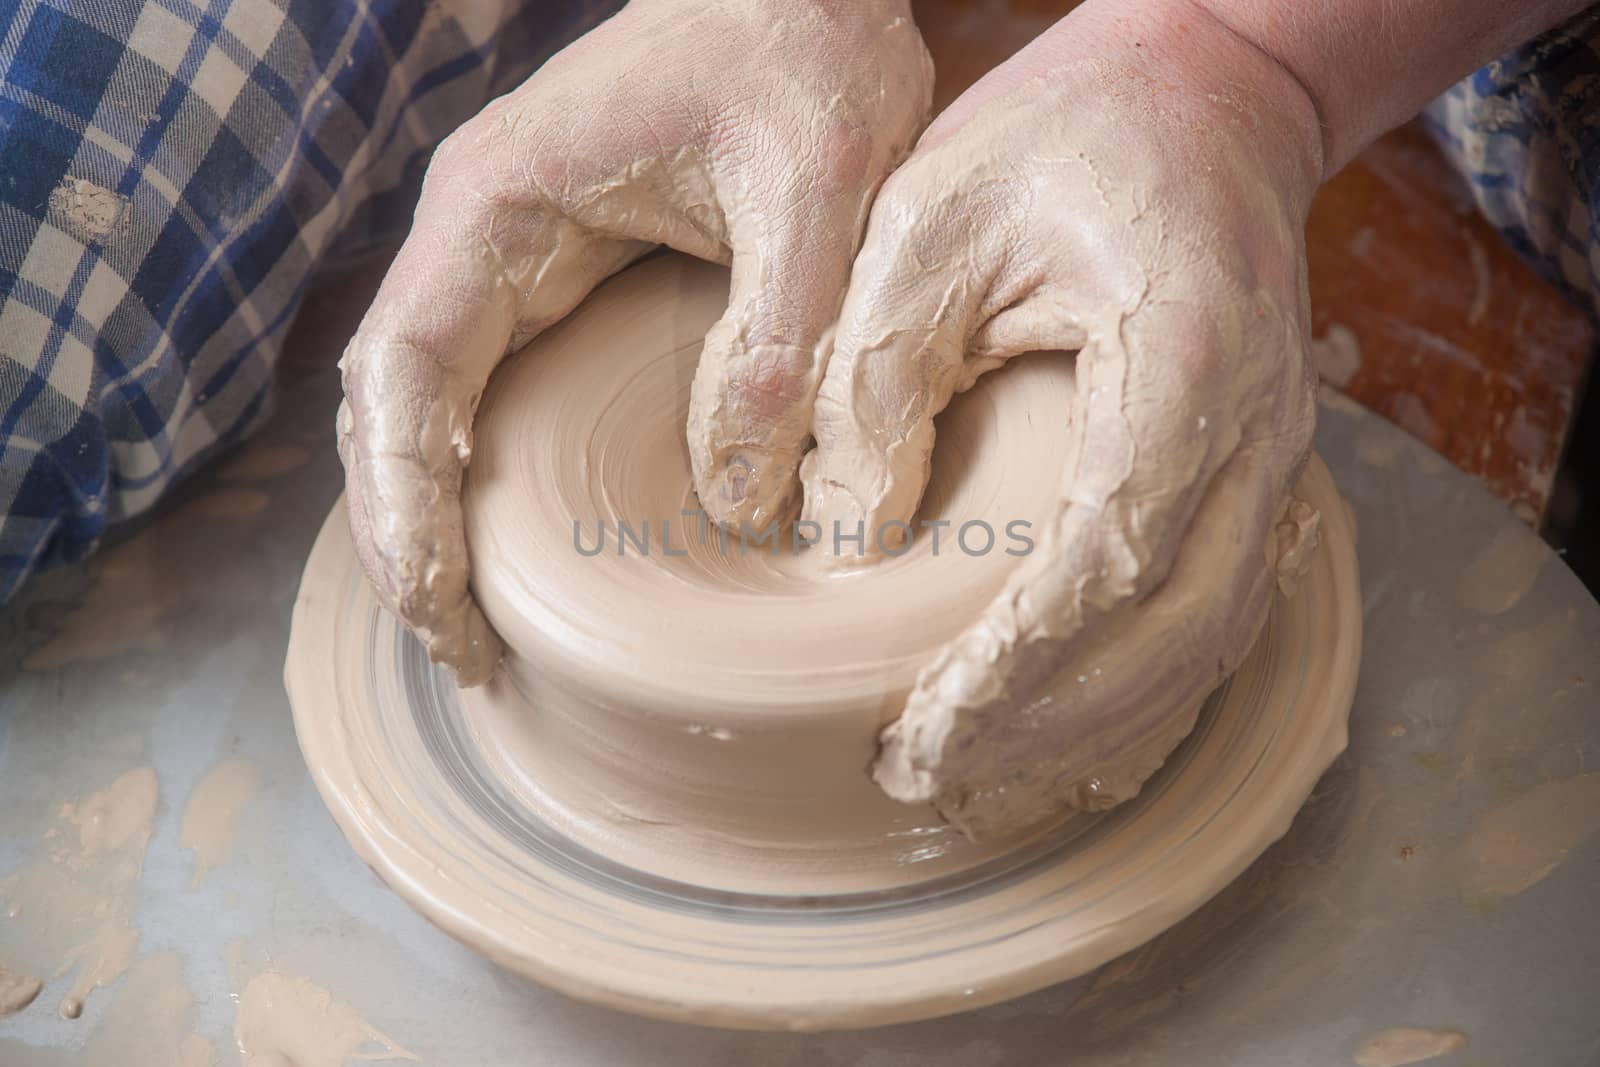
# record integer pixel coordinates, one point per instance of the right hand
(755, 132)
(1132, 187)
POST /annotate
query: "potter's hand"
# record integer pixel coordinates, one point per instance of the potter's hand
(750, 131)
(1139, 195)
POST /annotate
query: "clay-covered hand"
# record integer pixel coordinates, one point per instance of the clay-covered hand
(1137, 193)
(754, 132)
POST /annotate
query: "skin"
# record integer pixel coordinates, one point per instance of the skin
(1159, 233)
(1025, 222)
(1369, 65)
(642, 133)
(1132, 186)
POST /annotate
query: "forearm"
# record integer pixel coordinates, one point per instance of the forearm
(1369, 65)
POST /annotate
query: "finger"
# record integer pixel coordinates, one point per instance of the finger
(484, 267)
(750, 410)
(923, 283)
(411, 580)
(1164, 397)
(1105, 597)
(1101, 715)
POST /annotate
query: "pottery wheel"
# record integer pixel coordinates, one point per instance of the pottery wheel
(682, 842)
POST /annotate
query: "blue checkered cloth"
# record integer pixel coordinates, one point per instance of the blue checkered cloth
(172, 177)
(1525, 131)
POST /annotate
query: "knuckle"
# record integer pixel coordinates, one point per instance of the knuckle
(474, 171)
(458, 157)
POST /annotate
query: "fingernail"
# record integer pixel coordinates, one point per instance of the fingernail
(738, 480)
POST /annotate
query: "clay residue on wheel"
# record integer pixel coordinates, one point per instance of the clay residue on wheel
(72, 902)
(1502, 572)
(211, 815)
(285, 1019)
(16, 991)
(1401, 1045)
(1518, 842)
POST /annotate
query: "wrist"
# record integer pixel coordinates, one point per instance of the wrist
(1192, 59)
(1370, 65)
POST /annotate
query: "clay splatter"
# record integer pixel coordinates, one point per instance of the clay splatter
(211, 817)
(1502, 572)
(1403, 1045)
(74, 900)
(1517, 844)
(16, 991)
(1337, 355)
(291, 1020)
(88, 210)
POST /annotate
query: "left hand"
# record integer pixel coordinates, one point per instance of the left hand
(1134, 189)
(748, 132)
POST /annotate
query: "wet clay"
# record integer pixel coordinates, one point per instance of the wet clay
(1403, 1045)
(665, 791)
(16, 991)
(279, 1021)
(150, 1020)
(1502, 572)
(687, 676)
(284, 1021)
(74, 900)
(676, 694)
(1517, 843)
(1337, 355)
(211, 817)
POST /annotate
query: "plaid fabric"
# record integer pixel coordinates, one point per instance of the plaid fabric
(172, 174)
(1525, 131)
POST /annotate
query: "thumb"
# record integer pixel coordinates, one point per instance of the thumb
(750, 407)
(448, 309)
